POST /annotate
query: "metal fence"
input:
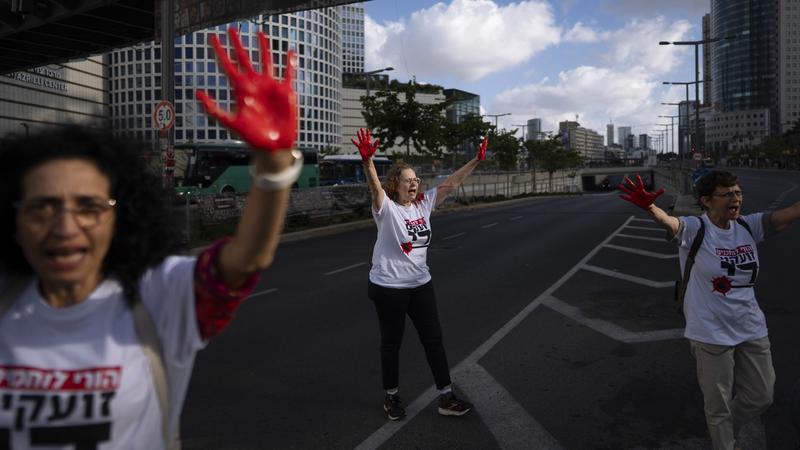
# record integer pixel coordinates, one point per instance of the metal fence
(200, 212)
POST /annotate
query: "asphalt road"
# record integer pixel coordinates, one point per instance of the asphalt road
(558, 323)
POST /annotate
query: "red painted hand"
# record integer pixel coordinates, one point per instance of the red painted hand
(266, 109)
(365, 146)
(482, 149)
(637, 195)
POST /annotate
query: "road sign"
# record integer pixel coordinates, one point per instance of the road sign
(163, 115)
(697, 156)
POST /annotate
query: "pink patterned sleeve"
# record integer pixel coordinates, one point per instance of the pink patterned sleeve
(216, 303)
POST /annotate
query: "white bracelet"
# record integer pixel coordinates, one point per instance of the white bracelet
(271, 182)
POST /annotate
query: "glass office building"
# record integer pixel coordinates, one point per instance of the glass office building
(744, 66)
(316, 36)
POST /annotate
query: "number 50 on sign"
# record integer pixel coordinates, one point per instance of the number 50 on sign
(163, 115)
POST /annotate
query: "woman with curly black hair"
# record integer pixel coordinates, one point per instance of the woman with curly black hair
(99, 326)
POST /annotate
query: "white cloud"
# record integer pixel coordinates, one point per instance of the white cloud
(580, 33)
(625, 87)
(460, 39)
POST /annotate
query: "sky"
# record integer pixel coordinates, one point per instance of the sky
(598, 60)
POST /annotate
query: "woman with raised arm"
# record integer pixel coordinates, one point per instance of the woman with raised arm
(399, 281)
(724, 324)
(99, 325)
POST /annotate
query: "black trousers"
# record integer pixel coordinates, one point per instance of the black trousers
(419, 304)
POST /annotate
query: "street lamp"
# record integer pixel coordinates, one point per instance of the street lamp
(495, 118)
(369, 74)
(672, 128)
(696, 45)
(522, 127)
(693, 141)
(27, 131)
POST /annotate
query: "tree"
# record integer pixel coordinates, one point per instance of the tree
(551, 156)
(505, 149)
(467, 133)
(413, 123)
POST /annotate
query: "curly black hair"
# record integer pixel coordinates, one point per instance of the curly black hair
(144, 233)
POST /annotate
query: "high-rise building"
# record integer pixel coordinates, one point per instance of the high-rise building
(788, 67)
(316, 36)
(58, 94)
(352, 37)
(610, 134)
(535, 130)
(588, 143)
(624, 132)
(743, 67)
(707, 81)
(643, 142)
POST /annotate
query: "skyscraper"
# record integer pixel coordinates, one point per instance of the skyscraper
(624, 132)
(788, 70)
(744, 68)
(534, 129)
(316, 36)
(707, 81)
(610, 134)
(353, 38)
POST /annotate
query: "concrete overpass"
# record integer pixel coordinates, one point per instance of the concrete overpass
(35, 33)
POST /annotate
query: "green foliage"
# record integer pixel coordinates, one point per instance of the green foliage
(505, 148)
(329, 150)
(413, 123)
(470, 131)
(550, 155)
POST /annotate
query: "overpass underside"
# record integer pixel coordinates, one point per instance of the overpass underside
(36, 33)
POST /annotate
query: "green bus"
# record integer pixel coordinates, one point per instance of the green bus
(224, 168)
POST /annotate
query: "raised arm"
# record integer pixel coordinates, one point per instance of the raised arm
(367, 148)
(452, 182)
(637, 195)
(265, 117)
(782, 218)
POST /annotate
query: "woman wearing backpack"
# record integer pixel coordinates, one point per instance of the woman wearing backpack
(99, 326)
(724, 324)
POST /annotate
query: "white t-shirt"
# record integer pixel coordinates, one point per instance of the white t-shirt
(78, 375)
(399, 258)
(720, 304)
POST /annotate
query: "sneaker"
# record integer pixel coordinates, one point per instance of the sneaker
(450, 405)
(393, 407)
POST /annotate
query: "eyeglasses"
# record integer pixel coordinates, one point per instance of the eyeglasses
(410, 180)
(45, 211)
(729, 195)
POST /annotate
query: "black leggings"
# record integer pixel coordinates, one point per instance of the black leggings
(419, 303)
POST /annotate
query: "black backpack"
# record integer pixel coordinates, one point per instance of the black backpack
(680, 285)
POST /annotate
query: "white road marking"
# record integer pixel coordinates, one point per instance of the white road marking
(385, 432)
(268, 291)
(516, 218)
(626, 277)
(510, 424)
(611, 329)
(636, 219)
(353, 266)
(633, 227)
(643, 252)
(490, 225)
(643, 238)
(453, 236)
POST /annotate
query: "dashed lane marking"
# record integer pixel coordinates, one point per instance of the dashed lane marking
(490, 225)
(626, 277)
(264, 292)
(643, 238)
(352, 266)
(516, 218)
(633, 227)
(643, 252)
(453, 236)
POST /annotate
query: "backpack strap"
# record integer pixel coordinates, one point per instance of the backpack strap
(151, 346)
(687, 268)
(746, 226)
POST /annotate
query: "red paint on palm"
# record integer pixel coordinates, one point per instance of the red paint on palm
(365, 146)
(637, 194)
(482, 149)
(266, 108)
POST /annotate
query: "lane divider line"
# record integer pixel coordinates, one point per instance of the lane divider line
(626, 277)
(643, 252)
(453, 236)
(265, 292)
(352, 266)
(490, 225)
(643, 238)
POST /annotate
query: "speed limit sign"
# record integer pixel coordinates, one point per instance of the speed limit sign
(163, 115)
